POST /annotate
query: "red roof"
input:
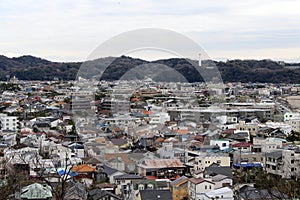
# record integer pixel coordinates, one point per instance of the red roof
(242, 144)
(151, 177)
(228, 131)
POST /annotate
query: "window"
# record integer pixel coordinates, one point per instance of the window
(292, 161)
(141, 187)
(205, 187)
(292, 169)
(210, 187)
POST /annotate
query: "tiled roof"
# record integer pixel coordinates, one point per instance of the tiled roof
(123, 156)
(182, 179)
(211, 170)
(162, 163)
(108, 170)
(83, 168)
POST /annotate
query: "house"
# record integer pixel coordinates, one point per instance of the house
(198, 187)
(179, 188)
(77, 149)
(77, 191)
(214, 170)
(120, 161)
(111, 173)
(241, 136)
(221, 180)
(144, 184)
(161, 169)
(242, 146)
(124, 184)
(91, 161)
(222, 143)
(85, 173)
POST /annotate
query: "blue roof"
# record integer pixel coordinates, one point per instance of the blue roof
(247, 165)
(62, 172)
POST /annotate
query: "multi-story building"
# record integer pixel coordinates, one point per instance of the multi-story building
(8, 123)
(115, 106)
(223, 144)
(274, 163)
(198, 187)
(251, 127)
(267, 144)
(203, 159)
(179, 188)
(291, 163)
(295, 123)
(284, 163)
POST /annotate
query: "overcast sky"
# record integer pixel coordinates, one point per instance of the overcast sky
(71, 30)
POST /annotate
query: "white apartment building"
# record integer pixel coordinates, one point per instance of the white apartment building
(159, 118)
(295, 123)
(267, 144)
(289, 116)
(8, 123)
(203, 159)
(223, 144)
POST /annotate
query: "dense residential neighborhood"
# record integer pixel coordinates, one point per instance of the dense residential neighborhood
(149, 140)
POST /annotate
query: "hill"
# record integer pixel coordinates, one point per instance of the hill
(33, 68)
